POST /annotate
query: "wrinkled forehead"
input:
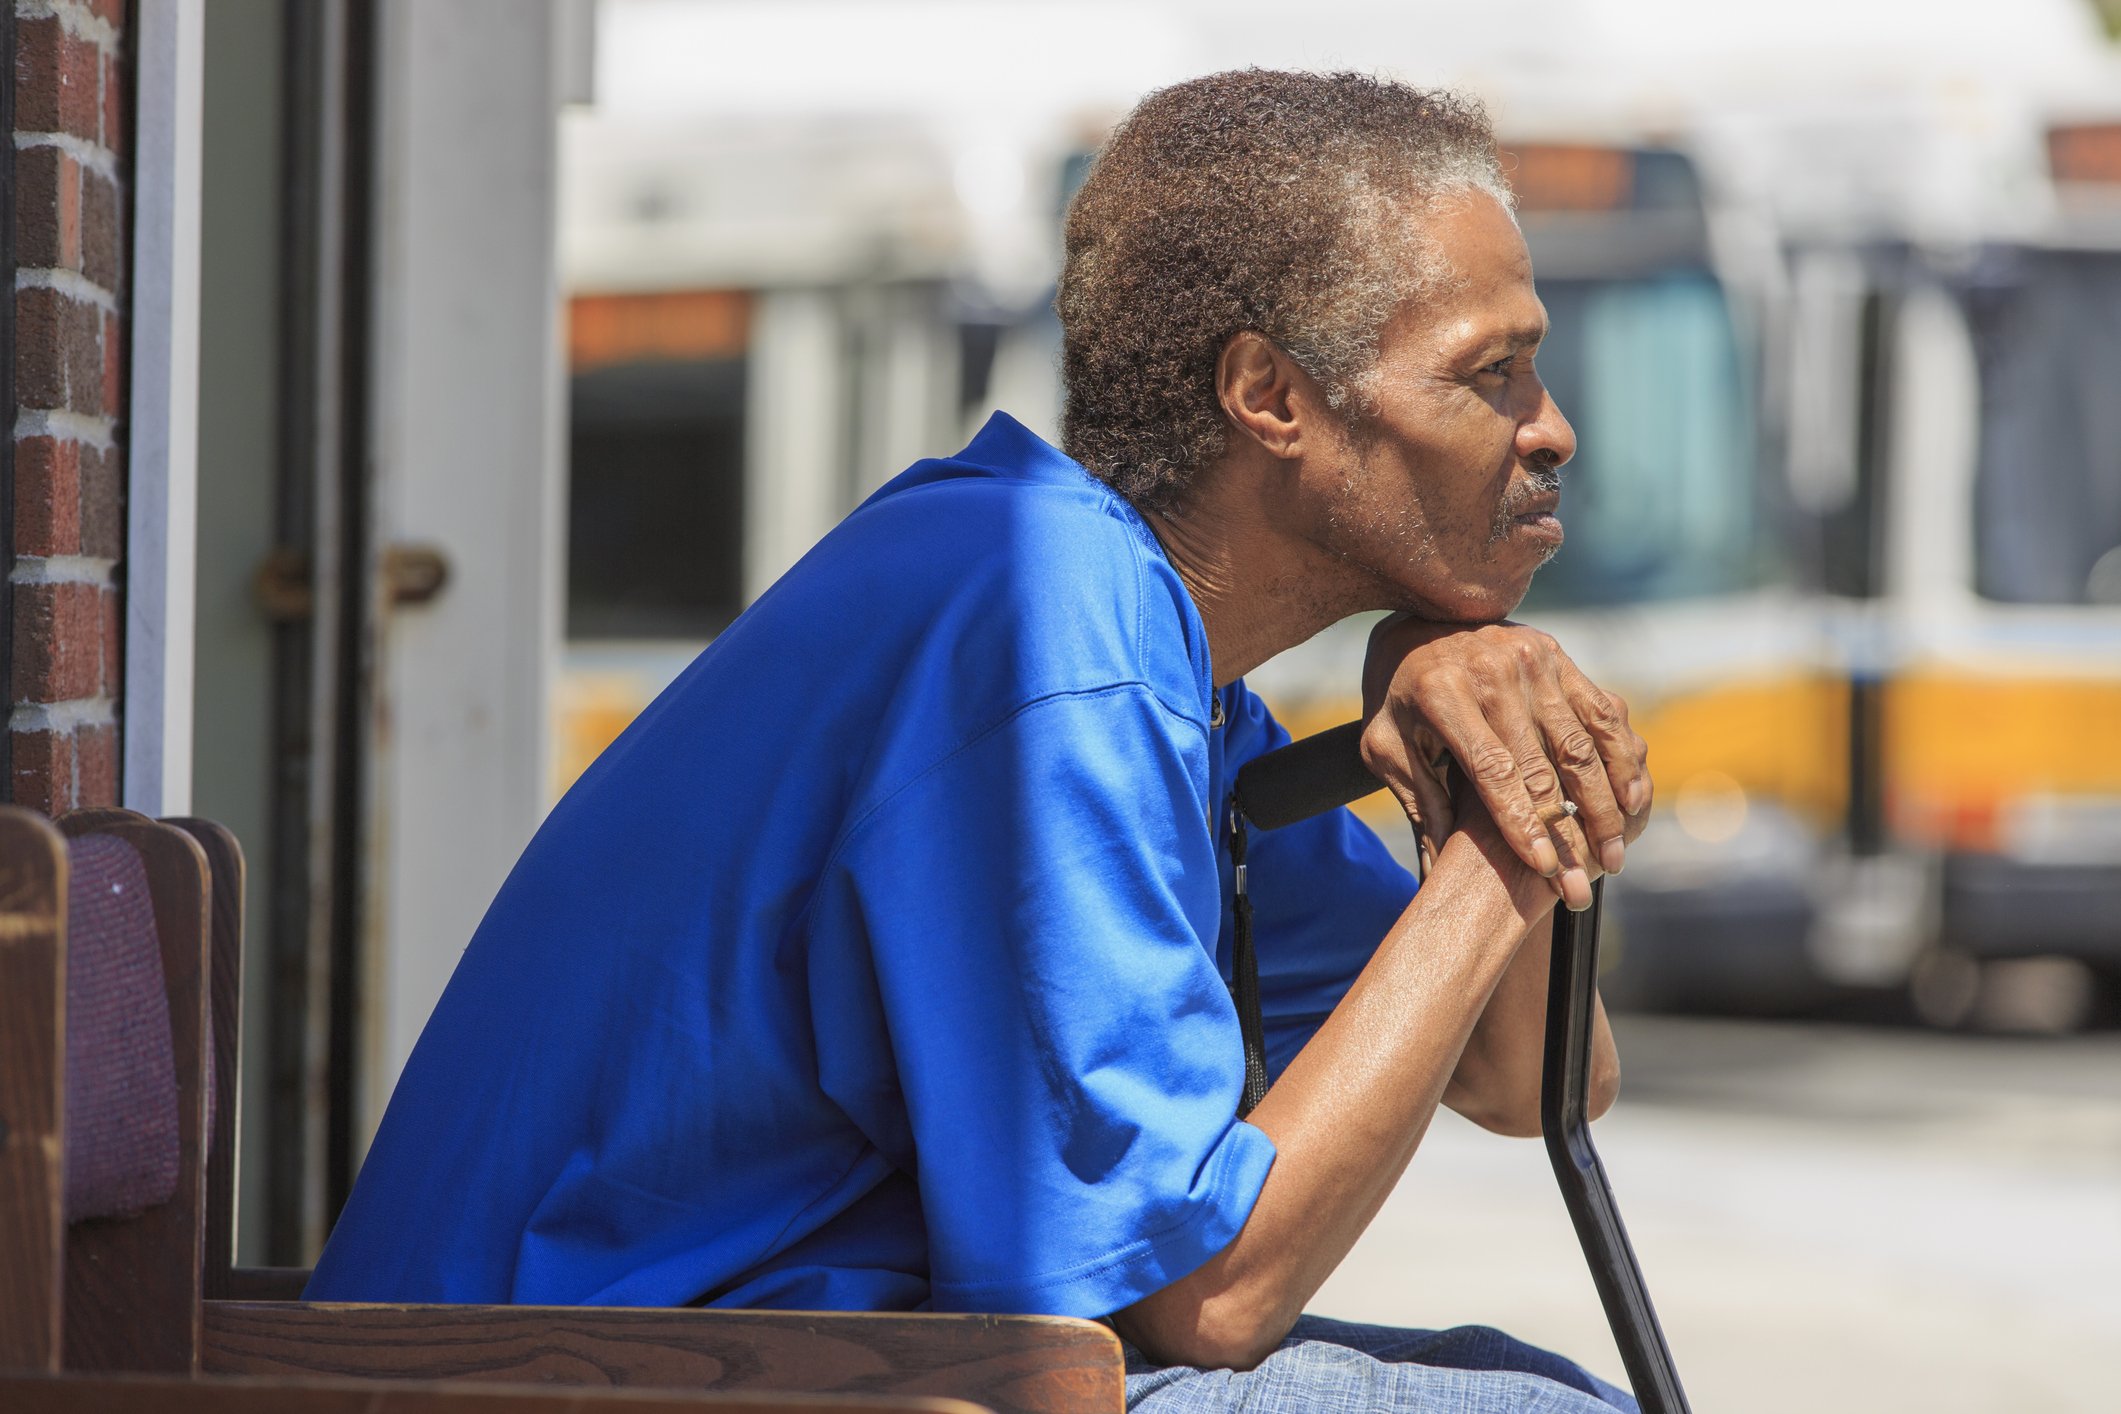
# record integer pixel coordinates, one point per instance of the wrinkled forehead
(1481, 282)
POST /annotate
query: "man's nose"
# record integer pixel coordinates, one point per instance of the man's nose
(1546, 435)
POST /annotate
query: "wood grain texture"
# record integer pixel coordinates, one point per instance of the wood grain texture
(164, 1394)
(33, 874)
(225, 872)
(1012, 1364)
(132, 1294)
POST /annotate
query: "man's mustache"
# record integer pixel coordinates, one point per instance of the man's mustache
(1543, 478)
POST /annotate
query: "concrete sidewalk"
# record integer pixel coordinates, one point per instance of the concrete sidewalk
(1830, 1219)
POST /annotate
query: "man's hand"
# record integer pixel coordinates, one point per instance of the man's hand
(1529, 731)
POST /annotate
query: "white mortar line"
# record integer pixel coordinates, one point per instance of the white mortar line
(62, 569)
(77, 20)
(97, 431)
(91, 155)
(71, 283)
(63, 716)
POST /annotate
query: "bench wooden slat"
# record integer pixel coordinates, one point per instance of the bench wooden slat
(225, 872)
(33, 875)
(1012, 1364)
(163, 1394)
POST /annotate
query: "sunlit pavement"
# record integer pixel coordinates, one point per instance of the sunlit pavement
(1829, 1218)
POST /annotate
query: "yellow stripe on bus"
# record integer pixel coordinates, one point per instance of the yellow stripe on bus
(1961, 749)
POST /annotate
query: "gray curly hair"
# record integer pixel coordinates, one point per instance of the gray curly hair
(1286, 203)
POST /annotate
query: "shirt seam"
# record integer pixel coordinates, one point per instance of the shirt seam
(1141, 590)
(1142, 540)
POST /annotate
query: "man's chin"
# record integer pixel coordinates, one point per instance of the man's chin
(1468, 604)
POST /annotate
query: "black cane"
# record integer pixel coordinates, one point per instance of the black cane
(1564, 1118)
(1325, 771)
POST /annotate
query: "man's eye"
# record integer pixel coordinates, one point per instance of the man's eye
(1501, 366)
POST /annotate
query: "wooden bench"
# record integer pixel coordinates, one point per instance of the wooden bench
(213, 1317)
(209, 1394)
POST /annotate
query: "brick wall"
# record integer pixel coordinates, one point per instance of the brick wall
(72, 86)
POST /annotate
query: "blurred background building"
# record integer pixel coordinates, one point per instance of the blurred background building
(422, 383)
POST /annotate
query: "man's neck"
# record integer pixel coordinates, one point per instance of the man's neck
(1259, 586)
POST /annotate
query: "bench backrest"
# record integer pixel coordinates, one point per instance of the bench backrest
(121, 1071)
(103, 976)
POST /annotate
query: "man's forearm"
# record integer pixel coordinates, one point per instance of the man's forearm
(1496, 1084)
(1347, 1114)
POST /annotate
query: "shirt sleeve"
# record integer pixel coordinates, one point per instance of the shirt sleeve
(1014, 994)
(1324, 893)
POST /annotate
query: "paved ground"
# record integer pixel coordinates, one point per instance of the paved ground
(1830, 1219)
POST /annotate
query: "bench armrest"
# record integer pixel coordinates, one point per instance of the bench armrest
(1012, 1364)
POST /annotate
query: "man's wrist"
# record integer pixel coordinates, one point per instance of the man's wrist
(1477, 854)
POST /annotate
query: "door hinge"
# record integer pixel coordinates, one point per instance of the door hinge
(286, 591)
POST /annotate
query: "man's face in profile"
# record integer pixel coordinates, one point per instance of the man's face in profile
(1450, 481)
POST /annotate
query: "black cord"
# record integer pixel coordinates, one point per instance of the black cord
(1244, 965)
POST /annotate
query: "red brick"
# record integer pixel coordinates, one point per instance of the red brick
(111, 641)
(95, 766)
(47, 209)
(58, 649)
(59, 354)
(47, 496)
(111, 12)
(112, 385)
(58, 81)
(116, 136)
(101, 231)
(102, 502)
(40, 359)
(37, 75)
(87, 358)
(43, 771)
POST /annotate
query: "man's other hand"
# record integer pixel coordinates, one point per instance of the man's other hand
(1527, 728)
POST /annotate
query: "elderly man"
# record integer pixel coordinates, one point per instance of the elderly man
(886, 961)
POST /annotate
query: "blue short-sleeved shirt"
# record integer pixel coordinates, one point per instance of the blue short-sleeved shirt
(881, 963)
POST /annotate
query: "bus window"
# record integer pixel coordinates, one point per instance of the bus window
(656, 499)
(2047, 488)
(1660, 501)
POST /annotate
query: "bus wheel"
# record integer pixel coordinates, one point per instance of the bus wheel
(2037, 996)
(1943, 987)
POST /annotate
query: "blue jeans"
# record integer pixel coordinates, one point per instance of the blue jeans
(1334, 1367)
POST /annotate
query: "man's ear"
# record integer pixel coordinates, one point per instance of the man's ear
(1257, 384)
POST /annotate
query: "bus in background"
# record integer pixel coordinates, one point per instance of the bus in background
(1924, 798)
(1995, 750)
(765, 324)
(1884, 734)
(656, 499)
